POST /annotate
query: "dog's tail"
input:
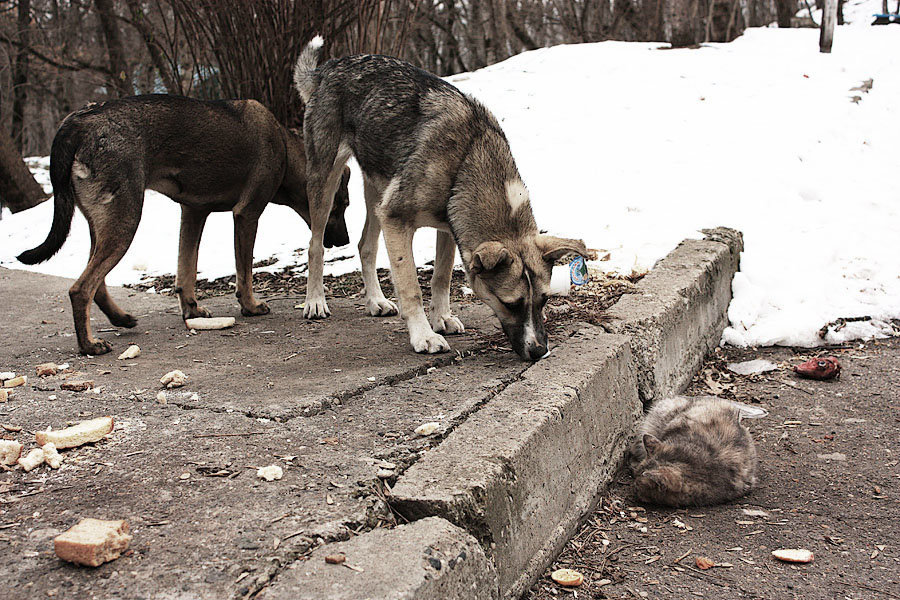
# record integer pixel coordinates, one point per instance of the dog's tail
(62, 155)
(304, 70)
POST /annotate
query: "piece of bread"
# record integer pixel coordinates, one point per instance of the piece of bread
(93, 542)
(173, 379)
(794, 555)
(209, 323)
(46, 369)
(132, 351)
(51, 456)
(4, 395)
(85, 432)
(10, 451)
(33, 459)
(15, 381)
(77, 385)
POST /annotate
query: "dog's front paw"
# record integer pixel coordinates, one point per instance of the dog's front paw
(96, 347)
(260, 308)
(381, 307)
(447, 324)
(316, 309)
(429, 343)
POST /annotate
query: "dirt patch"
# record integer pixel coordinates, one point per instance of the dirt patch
(585, 303)
(829, 482)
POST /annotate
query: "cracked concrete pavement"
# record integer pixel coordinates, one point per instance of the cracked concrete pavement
(331, 402)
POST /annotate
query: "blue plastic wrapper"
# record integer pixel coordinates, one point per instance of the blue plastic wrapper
(578, 271)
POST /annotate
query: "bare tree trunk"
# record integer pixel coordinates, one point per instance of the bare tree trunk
(826, 33)
(18, 189)
(120, 78)
(786, 10)
(139, 20)
(683, 22)
(20, 75)
(517, 24)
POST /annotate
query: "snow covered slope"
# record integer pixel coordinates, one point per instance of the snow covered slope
(634, 147)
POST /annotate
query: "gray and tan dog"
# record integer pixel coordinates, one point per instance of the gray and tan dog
(431, 157)
(206, 155)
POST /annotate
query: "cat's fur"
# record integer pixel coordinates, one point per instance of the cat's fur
(693, 452)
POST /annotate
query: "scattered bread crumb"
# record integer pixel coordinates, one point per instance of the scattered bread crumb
(427, 429)
(10, 451)
(132, 351)
(270, 473)
(173, 379)
(77, 385)
(46, 369)
(33, 459)
(793, 555)
(567, 577)
(51, 456)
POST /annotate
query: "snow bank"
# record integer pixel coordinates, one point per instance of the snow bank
(634, 147)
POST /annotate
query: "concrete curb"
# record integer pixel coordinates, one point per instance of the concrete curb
(680, 313)
(430, 559)
(521, 472)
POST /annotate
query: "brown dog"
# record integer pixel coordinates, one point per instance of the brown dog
(206, 155)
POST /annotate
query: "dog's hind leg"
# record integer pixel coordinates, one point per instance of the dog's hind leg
(326, 155)
(192, 222)
(245, 225)
(398, 238)
(113, 312)
(376, 303)
(441, 319)
(113, 226)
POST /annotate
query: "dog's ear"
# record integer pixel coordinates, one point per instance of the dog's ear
(489, 256)
(553, 248)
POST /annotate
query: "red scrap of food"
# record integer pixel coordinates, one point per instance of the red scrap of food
(825, 367)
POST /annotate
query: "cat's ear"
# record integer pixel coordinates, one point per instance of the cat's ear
(651, 444)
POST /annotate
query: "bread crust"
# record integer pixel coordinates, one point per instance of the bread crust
(85, 432)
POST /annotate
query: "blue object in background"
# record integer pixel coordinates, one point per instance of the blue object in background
(578, 271)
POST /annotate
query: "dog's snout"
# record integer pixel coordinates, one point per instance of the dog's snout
(537, 352)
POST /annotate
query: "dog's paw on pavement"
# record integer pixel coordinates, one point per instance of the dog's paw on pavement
(316, 309)
(96, 347)
(447, 324)
(381, 307)
(254, 311)
(430, 344)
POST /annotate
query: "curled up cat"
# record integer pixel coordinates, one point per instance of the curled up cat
(694, 452)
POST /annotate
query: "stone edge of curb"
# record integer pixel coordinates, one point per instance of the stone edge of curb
(429, 559)
(492, 485)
